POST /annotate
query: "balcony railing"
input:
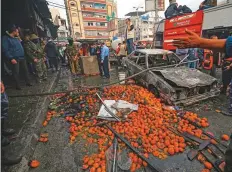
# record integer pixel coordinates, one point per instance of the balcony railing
(95, 1)
(94, 19)
(98, 10)
(96, 37)
(96, 28)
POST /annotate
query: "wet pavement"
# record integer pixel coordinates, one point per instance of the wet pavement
(58, 155)
(25, 116)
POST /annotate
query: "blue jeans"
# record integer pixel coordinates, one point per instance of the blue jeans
(192, 65)
(106, 67)
(130, 47)
(230, 97)
(4, 105)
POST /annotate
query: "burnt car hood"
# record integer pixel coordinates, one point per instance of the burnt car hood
(186, 77)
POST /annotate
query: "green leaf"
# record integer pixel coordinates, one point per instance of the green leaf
(107, 18)
(113, 15)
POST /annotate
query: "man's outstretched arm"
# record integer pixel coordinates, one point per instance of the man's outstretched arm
(195, 41)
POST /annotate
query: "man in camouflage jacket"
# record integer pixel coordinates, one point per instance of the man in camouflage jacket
(36, 55)
(72, 54)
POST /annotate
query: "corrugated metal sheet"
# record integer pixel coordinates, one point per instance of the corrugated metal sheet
(219, 16)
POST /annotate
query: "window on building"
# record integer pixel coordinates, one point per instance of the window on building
(74, 14)
(91, 33)
(77, 34)
(75, 24)
(72, 4)
(90, 24)
(101, 24)
(62, 34)
(102, 34)
(84, 5)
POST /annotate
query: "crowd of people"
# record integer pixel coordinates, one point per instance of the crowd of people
(33, 56)
(28, 53)
(99, 49)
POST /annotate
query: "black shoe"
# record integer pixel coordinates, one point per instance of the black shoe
(226, 113)
(8, 132)
(5, 141)
(28, 84)
(8, 161)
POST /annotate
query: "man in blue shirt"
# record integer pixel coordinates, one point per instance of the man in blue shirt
(14, 52)
(105, 60)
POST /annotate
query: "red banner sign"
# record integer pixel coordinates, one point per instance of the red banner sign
(175, 27)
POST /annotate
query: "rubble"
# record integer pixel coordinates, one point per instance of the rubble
(146, 129)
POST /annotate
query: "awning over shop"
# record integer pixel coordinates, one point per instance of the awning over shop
(53, 28)
(42, 7)
(135, 13)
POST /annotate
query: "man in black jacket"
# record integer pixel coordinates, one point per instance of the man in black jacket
(52, 53)
(98, 54)
(14, 53)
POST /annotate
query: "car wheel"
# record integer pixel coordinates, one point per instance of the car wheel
(155, 91)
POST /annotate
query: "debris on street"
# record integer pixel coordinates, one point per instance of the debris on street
(146, 129)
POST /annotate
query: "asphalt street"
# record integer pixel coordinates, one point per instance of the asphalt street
(58, 155)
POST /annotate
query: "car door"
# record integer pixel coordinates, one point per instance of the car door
(130, 62)
(141, 64)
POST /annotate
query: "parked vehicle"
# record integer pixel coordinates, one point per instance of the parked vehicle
(174, 83)
(199, 22)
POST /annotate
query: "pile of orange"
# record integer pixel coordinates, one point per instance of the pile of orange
(146, 129)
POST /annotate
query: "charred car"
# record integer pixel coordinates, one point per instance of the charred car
(169, 78)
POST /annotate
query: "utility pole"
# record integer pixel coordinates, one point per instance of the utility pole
(137, 21)
(156, 21)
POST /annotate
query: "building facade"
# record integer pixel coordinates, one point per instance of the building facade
(121, 28)
(113, 23)
(87, 18)
(62, 32)
(144, 27)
